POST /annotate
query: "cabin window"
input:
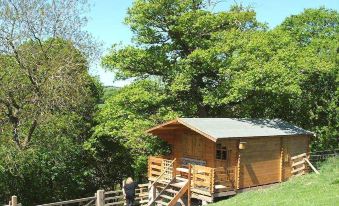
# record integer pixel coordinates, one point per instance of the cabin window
(221, 152)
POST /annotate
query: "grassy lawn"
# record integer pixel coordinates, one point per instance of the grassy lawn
(309, 189)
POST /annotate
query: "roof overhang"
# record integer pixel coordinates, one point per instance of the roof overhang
(177, 124)
(222, 128)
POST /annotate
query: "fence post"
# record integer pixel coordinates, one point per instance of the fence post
(100, 201)
(14, 201)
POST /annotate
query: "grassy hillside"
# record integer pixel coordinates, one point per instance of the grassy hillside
(307, 190)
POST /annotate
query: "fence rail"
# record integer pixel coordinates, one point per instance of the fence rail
(82, 201)
(100, 198)
(117, 198)
(301, 164)
(298, 164)
(319, 156)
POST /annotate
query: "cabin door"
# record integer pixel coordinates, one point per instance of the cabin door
(192, 146)
(226, 156)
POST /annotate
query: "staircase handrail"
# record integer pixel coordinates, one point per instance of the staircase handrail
(179, 194)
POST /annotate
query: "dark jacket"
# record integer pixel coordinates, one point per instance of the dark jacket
(130, 190)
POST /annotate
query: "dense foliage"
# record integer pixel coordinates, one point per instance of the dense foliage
(123, 120)
(47, 100)
(63, 136)
(227, 64)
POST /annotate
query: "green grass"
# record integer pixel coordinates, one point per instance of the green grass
(311, 189)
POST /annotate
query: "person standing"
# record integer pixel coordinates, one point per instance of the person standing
(129, 191)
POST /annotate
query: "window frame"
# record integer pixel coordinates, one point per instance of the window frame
(221, 152)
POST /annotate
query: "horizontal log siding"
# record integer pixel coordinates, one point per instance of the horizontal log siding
(259, 161)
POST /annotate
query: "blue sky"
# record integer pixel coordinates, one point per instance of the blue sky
(106, 21)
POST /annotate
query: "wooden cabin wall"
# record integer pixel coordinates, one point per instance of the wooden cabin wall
(264, 160)
(267, 160)
(292, 146)
(187, 143)
(260, 161)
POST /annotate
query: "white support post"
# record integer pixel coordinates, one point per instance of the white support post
(14, 201)
(152, 193)
(100, 195)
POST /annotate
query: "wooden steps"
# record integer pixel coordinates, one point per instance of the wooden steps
(178, 178)
(179, 184)
(166, 197)
(171, 193)
(161, 202)
(217, 187)
(173, 182)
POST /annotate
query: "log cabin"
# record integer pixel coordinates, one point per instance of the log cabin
(217, 157)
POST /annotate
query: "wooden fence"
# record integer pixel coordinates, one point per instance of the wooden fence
(116, 197)
(100, 198)
(299, 164)
(319, 156)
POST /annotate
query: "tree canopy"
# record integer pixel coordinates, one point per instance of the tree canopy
(227, 64)
(64, 136)
(47, 100)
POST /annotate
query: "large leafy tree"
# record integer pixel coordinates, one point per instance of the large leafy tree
(59, 84)
(47, 99)
(316, 31)
(44, 54)
(167, 34)
(229, 65)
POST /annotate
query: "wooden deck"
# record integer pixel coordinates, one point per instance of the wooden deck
(206, 182)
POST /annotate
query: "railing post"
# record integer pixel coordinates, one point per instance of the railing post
(212, 175)
(14, 201)
(100, 195)
(174, 168)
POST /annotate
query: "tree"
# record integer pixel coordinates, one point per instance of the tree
(47, 100)
(312, 25)
(226, 64)
(123, 120)
(43, 63)
(316, 30)
(167, 33)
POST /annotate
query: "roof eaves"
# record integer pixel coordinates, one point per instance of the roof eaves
(277, 135)
(196, 130)
(161, 125)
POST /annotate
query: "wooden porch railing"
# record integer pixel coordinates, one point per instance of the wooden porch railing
(203, 178)
(300, 164)
(160, 169)
(211, 179)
